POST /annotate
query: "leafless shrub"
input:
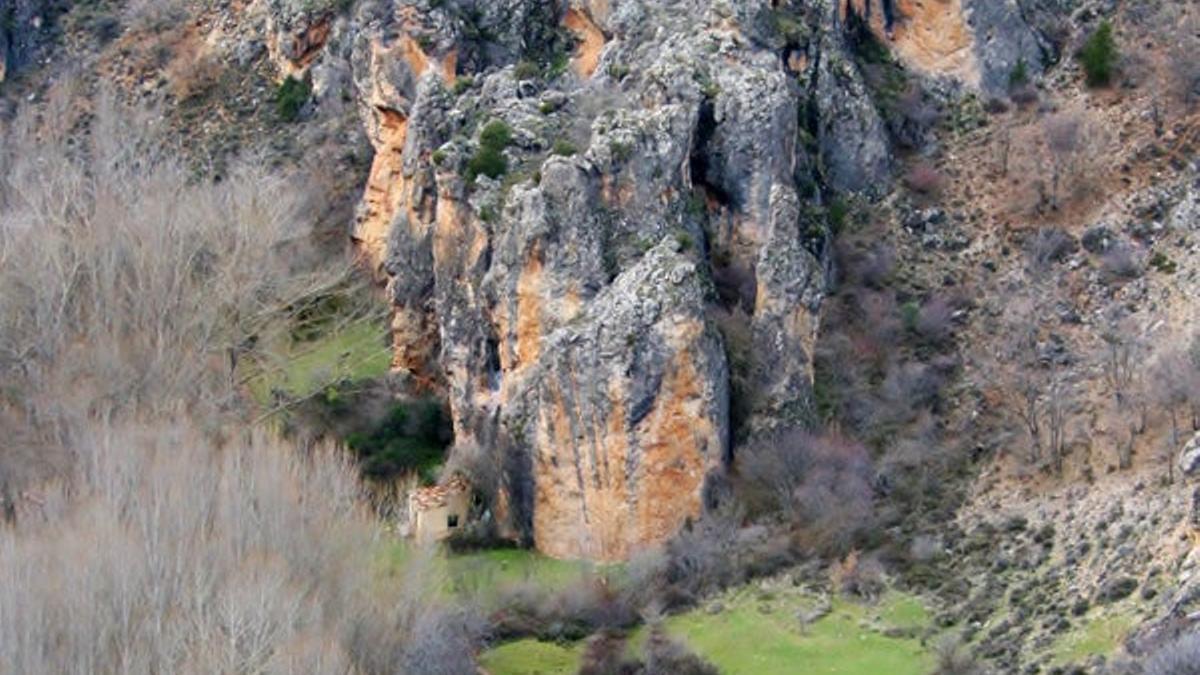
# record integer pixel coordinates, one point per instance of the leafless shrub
(1175, 387)
(858, 575)
(1062, 132)
(1181, 657)
(594, 602)
(915, 117)
(924, 548)
(1183, 69)
(1032, 384)
(174, 541)
(954, 658)
(604, 654)
(995, 106)
(872, 268)
(908, 390)
(924, 178)
(935, 320)
(1024, 95)
(165, 555)
(1120, 263)
(877, 316)
(666, 656)
(155, 15)
(193, 76)
(736, 283)
(822, 483)
(737, 335)
(1049, 245)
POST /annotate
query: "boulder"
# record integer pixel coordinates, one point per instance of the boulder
(1189, 456)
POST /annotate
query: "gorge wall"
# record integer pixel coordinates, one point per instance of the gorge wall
(655, 227)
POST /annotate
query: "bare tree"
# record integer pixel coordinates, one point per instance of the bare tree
(1062, 133)
(1174, 388)
(1121, 358)
(1183, 69)
(1033, 381)
(131, 286)
(177, 539)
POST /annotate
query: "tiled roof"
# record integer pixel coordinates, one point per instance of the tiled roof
(433, 497)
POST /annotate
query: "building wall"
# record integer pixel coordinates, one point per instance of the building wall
(431, 524)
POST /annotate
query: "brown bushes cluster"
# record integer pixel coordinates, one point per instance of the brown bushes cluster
(165, 553)
(146, 527)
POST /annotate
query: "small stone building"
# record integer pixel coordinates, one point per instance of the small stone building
(437, 512)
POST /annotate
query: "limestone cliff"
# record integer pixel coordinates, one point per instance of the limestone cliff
(650, 165)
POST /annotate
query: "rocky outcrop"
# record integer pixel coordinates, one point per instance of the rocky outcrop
(978, 43)
(3, 53)
(25, 30)
(565, 307)
(625, 412)
(1189, 457)
(648, 166)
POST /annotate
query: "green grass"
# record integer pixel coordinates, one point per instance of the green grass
(530, 657)
(758, 633)
(486, 574)
(1100, 633)
(356, 352)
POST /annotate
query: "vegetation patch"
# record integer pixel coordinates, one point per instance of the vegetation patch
(531, 657)
(486, 575)
(1099, 56)
(301, 368)
(489, 159)
(412, 438)
(290, 98)
(1096, 635)
(751, 631)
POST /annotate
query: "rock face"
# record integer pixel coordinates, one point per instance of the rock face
(975, 42)
(648, 168)
(1189, 457)
(573, 204)
(626, 412)
(566, 307)
(24, 31)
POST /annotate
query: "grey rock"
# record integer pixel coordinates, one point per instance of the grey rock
(1097, 239)
(1003, 38)
(564, 308)
(25, 33)
(1189, 456)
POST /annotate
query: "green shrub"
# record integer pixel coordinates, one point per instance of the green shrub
(685, 240)
(462, 84)
(1162, 263)
(618, 71)
(1019, 75)
(489, 159)
(565, 148)
(487, 162)
(621, 152)
(496, 134)
(910, 314)
(558, 65)
(1099, 56)
(291, 97)
(839, 211)
(413, 437)
(527, 70)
